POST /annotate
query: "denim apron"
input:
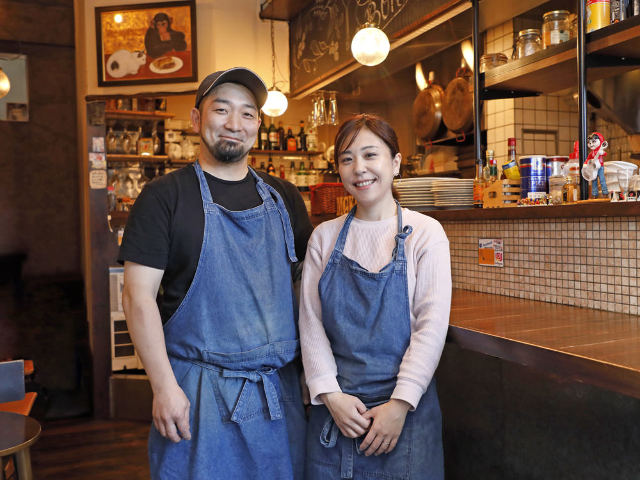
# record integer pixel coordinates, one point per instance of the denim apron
(367, 319)
(231, 344)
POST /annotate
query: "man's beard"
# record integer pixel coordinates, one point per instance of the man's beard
(225, 151)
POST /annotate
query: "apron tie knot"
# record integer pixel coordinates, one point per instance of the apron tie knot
(255, 376)
(329, 438)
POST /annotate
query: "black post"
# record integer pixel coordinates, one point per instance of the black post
(582, 98)
(476, 81)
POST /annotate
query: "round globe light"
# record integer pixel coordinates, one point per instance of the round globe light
(5, 84)
(370, 46)
(276, 103)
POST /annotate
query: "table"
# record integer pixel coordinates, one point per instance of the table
(580, 344)
(18, 434)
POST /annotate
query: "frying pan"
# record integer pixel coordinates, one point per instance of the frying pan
(427, 111)
(457, 108)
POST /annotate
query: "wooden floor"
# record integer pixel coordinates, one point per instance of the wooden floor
(91, 449)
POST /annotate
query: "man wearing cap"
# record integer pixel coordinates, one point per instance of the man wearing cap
(221, 343)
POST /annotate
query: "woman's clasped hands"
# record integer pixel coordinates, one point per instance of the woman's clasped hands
(382, 424)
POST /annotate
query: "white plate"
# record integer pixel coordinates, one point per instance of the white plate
(177, 65)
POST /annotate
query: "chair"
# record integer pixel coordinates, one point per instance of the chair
(14, 399)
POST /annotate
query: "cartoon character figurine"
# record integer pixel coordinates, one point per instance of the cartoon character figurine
(593, 169)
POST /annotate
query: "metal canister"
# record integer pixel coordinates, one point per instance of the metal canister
(533, 176)
(598, 14)
(554, 166)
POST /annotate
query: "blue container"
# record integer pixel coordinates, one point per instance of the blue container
(533, 175)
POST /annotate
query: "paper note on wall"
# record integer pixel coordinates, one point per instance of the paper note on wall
(490, 252)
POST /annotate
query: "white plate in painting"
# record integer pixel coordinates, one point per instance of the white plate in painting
(164, 65)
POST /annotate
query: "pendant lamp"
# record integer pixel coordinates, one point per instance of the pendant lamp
(5, 84)
(370, 45)
(276, 103)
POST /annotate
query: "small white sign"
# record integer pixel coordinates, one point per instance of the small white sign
(97, 179)
(490, 252)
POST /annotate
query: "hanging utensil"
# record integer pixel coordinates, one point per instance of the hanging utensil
(457, 108)
(427, 111)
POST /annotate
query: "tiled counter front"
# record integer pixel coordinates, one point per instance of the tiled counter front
(586, 262)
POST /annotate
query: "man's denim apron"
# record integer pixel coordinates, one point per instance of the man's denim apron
(231, 343)
(367, 319)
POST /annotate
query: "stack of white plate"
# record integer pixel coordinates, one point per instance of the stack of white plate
(453, 192)
(417, 193)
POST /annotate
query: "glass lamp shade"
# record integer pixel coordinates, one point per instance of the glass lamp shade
(276, 103)
(370, 46)
(5, 84)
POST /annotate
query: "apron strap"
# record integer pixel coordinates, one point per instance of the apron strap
(403, 233)
(268, 193)
(329, 438)
(255, 376)
(204, 186)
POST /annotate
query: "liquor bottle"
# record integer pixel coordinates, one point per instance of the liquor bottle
(312, 176)
(282, 138)
(291, 141)
(262, 167)
(273, 137)
(264, 136)
(478, 185)
(293, 175)
(302, 138)
(511, 157)
(302, 177)
(312, 138)
(493, 166)
(282, 171)
(271, 169)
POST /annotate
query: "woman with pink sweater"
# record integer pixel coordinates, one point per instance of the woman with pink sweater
(374, 312)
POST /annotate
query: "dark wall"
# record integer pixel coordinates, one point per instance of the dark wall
(39, 196)
(505, 421)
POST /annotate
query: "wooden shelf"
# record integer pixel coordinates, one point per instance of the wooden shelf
(284, 153)
(555, 68)
(136, 115)
(578, 344)
(282, 9)
(579, 210)
(115, 157)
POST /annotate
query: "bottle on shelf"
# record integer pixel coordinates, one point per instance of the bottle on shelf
(262, 167)
(302, 177)
(273, 137)
(312, 139)
(263, 134)
(271, 169)
(478, 185)
(511, 161)
(253, 162)
(282, 137)
(493, 166)
(291, 141)
(301, 139)
(293, 174)
(312, 176)
(282, 171)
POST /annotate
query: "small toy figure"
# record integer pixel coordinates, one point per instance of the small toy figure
(593, 169)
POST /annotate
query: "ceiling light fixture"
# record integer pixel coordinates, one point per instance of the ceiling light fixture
(5, 84)
(276, 103)
(370, 45)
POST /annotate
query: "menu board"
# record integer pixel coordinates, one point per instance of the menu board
(320, 36)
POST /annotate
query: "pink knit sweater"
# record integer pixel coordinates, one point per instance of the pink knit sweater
(371, 244)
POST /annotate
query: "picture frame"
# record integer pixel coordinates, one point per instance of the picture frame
(147, 43)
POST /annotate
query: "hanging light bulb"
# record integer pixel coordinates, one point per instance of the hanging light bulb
(5, 84)
(276, 103)
(420, 80)
(370, 46)
(467, 53)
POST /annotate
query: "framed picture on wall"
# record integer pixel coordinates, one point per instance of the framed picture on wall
(146, 43)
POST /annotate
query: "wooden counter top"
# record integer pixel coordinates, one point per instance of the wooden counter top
(576, 344)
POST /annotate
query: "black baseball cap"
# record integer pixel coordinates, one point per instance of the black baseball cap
(240, 75)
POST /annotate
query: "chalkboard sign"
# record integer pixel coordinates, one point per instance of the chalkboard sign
(320, 36)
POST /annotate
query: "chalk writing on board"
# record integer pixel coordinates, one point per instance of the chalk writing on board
(319, 34)
(378, 12)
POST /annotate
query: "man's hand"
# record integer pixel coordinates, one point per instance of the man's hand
(171, 413)
(347, 411)
(388, 420)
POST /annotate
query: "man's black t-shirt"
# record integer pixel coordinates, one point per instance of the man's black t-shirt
(166, 225)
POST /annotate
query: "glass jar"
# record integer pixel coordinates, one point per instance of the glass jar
(571, 189)
(528, 43)
(555, 28)
(492, 60)
(556, 186)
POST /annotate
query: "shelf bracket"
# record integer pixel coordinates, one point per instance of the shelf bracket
(596, 60)
(488, 94)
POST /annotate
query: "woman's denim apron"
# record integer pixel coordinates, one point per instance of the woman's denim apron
(367, 319)
(231, 343)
